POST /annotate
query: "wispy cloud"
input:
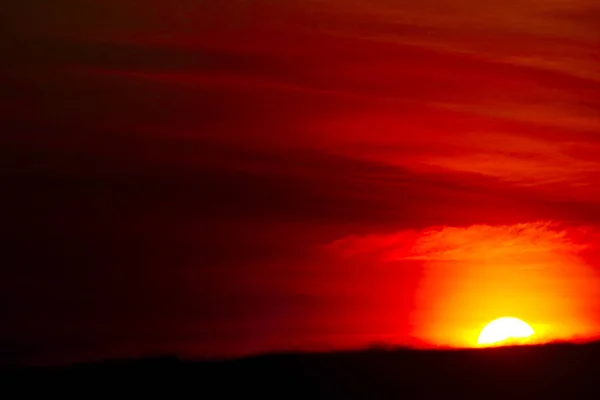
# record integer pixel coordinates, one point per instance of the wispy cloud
(471, 243)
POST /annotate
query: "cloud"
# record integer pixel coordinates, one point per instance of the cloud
(513, 101)
(472, 243)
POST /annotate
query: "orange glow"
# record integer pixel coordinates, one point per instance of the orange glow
(506, 330)
(473, 274)
(466, 276)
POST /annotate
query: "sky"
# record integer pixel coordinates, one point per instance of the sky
(216, 179)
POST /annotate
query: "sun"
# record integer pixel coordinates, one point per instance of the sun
(505, 331)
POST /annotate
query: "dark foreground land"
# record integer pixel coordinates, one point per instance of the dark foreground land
(557, 371)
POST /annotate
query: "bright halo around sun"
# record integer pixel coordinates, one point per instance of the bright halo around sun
(505, 331)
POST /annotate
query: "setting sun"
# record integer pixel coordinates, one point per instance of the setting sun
(507, 330)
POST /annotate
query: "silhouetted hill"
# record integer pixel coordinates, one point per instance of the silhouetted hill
(557, 371)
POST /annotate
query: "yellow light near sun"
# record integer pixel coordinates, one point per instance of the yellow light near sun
(506, 330)
(473, 275)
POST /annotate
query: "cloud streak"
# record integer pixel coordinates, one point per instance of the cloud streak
(470, 243)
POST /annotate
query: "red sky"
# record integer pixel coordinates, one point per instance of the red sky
(222, 178)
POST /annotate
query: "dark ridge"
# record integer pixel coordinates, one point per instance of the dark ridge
(553, 371)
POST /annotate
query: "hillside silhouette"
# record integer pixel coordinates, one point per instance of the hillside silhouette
(554, 371)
